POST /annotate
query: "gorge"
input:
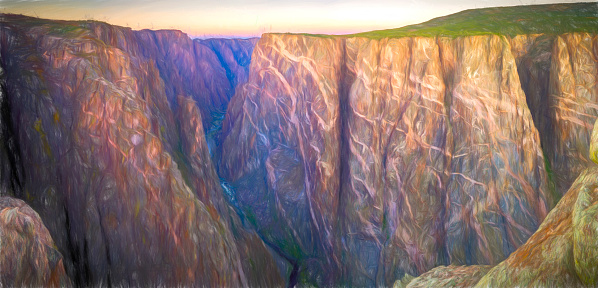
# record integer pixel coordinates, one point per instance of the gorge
(293, 159)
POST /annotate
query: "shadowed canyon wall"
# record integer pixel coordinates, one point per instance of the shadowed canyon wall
(103, 136)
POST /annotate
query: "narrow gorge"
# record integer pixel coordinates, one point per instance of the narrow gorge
(154, 159)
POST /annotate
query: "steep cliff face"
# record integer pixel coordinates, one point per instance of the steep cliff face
(28, 256)
(573, 98)
(281, 149)
(441, 141)
(558, 76)
(562, 252)
(355, 160)
(124, 185)
(208, 71)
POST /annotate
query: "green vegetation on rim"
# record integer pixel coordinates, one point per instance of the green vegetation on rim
(509, 21)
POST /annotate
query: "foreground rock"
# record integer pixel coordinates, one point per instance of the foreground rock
(447, 276)
(28, 256)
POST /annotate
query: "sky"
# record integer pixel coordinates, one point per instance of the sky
(248, 18)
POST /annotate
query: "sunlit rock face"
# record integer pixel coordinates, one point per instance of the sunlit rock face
(94, 139)
(28, 256)
(573, 95)
(561, 253)
(440, 142)
(446, 276)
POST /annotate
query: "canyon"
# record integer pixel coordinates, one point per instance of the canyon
(361, 160)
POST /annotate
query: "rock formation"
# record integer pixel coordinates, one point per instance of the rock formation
(28, 256)
(562, 253)
(365, 159)
(95, 143)
(342, 160)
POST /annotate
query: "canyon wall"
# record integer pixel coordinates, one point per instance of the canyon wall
(362, 160)
(561, 253)
(102, 134)
(155, 159)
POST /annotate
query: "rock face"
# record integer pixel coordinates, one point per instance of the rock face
(28, 256)
(562, 253)
(362, 160)
(281, 149)
(342, 160)
(559, 78)
(94, 139)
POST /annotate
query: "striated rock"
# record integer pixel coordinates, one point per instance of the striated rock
(123, 183)
(573, 95)
(28, 256)
(443, 162)
(208, 71)
(396, 146)
(344, 160)
(563, 252)
(281, 149)
(559, 253)
(498, 186)
(449, 276)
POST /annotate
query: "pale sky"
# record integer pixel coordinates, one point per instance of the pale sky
(246, 18)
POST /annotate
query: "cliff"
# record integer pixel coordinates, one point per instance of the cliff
(359, 160)
(103, 136)
(561, 253)
(365, 158)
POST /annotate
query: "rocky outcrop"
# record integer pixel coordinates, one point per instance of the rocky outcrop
(28, 256)
(92, 113)
(447, 276)
(445, 149)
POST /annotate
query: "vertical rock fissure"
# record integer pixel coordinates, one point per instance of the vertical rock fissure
(507, 245)
(443, 255)
(104, 235)
(80, 271)
(344, 147)
(533, 68)
(9, 145)
(447, 74)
